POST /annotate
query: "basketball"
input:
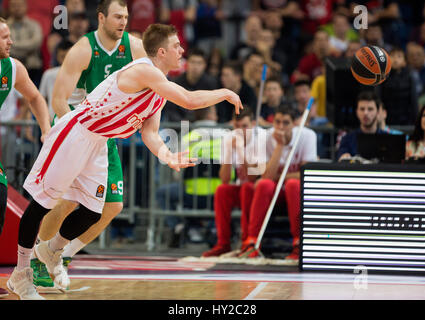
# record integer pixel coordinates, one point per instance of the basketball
(371, 65)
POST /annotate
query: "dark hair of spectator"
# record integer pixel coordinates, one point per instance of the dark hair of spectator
(103, 6)
(64, 45)
(285, 110)
(245, 112)
(397, 49)
(197, 52)
(300, 83)
(369, 96)
(275, 79)
(156, 36)
(418, 132)
(254, 52)
(235, 66)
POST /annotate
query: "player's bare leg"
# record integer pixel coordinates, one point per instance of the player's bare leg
(53, 220)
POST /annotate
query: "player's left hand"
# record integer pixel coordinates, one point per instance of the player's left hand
(180, 160)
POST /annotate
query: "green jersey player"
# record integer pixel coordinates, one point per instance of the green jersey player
(14, 75)
(92, 59)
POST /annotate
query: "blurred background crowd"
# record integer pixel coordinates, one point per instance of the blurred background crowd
(228, 41)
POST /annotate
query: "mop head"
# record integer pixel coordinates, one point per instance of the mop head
(234, 258)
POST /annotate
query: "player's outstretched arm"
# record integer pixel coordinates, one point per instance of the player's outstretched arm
(150, 77)
(156, 145)
(76, 60)
(36, 101)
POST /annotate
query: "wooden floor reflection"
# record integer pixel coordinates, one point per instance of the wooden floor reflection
(100, 289)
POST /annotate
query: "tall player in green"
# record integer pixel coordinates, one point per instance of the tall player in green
(14, 74)
(93, 58)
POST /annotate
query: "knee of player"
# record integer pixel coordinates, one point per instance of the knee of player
(93, 217)
(112, 209)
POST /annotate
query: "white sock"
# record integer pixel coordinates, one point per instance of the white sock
(24, 258)
(58, 242)
(38, 241)
(73, 247)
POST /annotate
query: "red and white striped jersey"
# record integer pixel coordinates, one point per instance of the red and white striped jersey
(111, 113)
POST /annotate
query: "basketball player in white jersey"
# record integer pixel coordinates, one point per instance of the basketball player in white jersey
(130, 100)
(94, 57)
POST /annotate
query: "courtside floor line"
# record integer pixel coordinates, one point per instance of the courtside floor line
(262, 277)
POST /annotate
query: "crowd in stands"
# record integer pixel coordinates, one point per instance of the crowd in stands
(226, 44)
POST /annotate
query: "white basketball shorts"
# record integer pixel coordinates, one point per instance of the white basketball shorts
(72, 164)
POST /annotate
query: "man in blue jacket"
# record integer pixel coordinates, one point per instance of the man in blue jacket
(367, 113)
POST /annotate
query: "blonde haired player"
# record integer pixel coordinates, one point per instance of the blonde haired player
(130, 100)
(93, 58)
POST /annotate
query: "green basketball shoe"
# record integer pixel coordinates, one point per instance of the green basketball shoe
(41, 276)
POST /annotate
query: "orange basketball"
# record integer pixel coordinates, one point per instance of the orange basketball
(371, 65)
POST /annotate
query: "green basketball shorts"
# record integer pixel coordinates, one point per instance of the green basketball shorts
(115, 186)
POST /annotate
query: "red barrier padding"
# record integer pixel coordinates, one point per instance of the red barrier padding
(16, 205)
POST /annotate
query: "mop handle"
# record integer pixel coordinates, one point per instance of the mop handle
(283, 175)
(260, 93)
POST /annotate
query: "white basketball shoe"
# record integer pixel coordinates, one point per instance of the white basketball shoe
(21, 283)
(53, 261)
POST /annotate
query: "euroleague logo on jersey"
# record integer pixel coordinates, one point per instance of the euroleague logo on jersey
(4, 83)
(121, 51)
(100, 191)
(114, 188)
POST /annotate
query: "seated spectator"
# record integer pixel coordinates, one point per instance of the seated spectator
(310, 65)
(274, 95)
(340, 33)
(231, 78)
(418, 35)
(352, 48)
(27, 37)
(285, 49)
(40, 11)
(143, 13)
(280, 139)
(194, 78)
(302, 94)
(215, 63)
(415, 146)
(367, 113)
(373, 36)
(229, 195)
(253, 26)
(273, 57)
(207, 26)
(49, 76)
(416, 61)
(57, 35)
(398, 91)
(316, 14)
(253, 70)
(181, 14)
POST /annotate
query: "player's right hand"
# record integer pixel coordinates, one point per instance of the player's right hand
(234, 99)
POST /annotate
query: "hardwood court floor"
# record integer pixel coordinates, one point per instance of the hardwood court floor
(163, 278)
